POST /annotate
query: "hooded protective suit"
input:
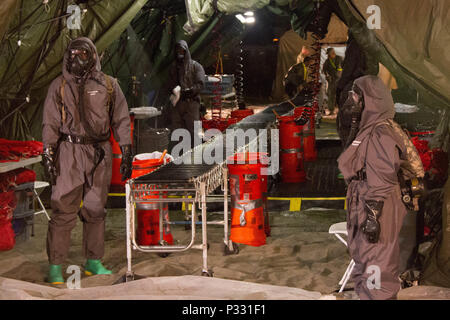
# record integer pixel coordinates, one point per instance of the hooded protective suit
(378, 150)
(83, 169)
(190, 76)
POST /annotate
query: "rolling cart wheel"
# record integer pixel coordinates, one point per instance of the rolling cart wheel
(227, 251)
(163, 254)
(208, 273)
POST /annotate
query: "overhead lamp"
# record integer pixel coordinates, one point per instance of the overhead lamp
(241, 18)
(248, 18)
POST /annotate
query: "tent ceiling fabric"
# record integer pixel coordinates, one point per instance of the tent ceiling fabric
(337, 31)
(200, 11)
(289, 48)
(7, 9)
(416, 35)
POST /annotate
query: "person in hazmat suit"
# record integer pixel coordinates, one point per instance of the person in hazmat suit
(332, 70)
(186, 81)
(81, 106)
(376, 151)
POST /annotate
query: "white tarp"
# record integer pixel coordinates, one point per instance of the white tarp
(159, 288)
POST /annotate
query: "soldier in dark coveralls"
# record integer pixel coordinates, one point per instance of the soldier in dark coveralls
(190, 76)
(81, 106)
(370, 165)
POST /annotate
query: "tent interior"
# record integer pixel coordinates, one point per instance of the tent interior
(136, 40)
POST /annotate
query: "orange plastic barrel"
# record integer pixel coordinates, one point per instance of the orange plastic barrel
(117, 185)
(247, 191)
(148, 213)
(309, 135)
(264, 188)
(291, 151)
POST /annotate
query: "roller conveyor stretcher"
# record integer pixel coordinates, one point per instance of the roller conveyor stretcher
(191, 184)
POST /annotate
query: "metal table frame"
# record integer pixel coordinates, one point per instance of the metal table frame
(192, 193)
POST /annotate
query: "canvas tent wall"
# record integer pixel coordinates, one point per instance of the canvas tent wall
(290, 45)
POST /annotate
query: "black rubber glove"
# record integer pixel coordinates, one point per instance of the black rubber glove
(49, 163)
(187, 93)
(127, 162)
(371, 226)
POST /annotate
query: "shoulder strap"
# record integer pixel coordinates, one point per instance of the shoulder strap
(61, 92)
(109, 89)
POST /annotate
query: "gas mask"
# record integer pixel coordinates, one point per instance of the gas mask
(81, 59)
(354, 104)
(180, 53)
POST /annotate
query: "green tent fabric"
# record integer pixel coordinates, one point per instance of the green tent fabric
(7, 9)
(32, 50)
(291, 44)
(411, 43)
(200, 11)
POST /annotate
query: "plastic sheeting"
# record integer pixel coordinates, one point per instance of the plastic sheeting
(160, 288)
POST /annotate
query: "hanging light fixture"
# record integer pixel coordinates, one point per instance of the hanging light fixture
(246, 18)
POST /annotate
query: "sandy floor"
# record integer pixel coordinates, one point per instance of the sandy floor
(300, 254)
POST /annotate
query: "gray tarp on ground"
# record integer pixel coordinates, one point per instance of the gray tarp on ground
(159, 288)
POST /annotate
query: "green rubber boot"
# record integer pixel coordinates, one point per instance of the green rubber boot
(55, 274)
(95, 267)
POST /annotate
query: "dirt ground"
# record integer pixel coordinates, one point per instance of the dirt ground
(300, 253)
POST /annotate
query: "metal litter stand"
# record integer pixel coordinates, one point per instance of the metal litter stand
(194, 191)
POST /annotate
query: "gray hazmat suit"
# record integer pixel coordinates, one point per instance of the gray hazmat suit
(190, 76)
(380, 150)
(82, 177)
